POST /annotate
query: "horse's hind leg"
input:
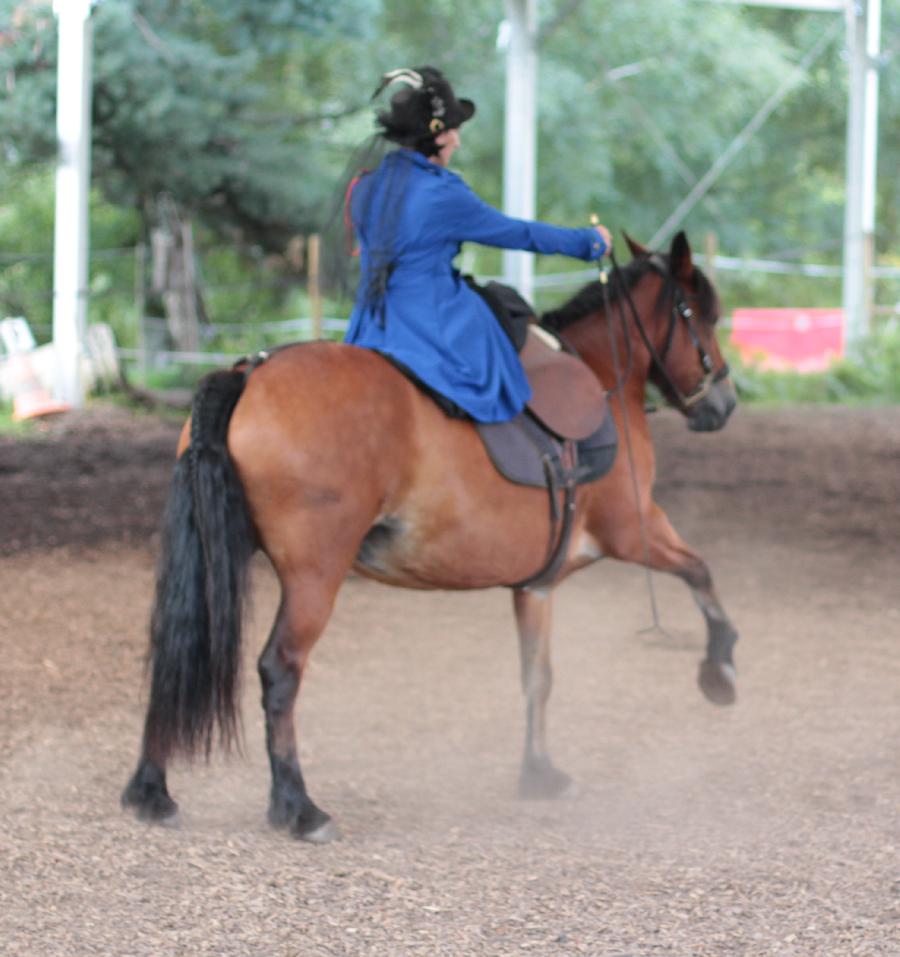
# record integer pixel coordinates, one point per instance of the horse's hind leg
(146, 792)
(539, 777)
(301, 618)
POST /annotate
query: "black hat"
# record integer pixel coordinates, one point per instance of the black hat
(422, 110)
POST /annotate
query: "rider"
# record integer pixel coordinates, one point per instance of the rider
(410, 216)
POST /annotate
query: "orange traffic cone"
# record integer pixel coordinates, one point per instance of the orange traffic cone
(30, 398)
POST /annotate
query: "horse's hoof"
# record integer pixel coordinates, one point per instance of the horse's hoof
(313, 825)
(718, 682)
(317, 828)
(156, 807)
(172, 820)
(545, 782)
(147, 795)
(323, 834)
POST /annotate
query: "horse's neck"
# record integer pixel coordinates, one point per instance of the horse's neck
(611, 352)
(590, 337)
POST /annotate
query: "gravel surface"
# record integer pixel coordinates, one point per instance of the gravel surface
(770, 829)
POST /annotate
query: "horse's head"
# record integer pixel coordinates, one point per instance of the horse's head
(687, 363)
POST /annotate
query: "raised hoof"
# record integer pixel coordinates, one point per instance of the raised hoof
(544, 782)
(718, 682)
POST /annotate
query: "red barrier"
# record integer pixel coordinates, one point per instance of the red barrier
(806, 340)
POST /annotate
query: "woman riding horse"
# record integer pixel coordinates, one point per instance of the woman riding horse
(411, 214)
(325, 458)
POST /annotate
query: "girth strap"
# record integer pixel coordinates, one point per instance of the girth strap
(561, 519)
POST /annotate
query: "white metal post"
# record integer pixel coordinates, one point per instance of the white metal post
(863, 45)
(520, 144)
(70, 241)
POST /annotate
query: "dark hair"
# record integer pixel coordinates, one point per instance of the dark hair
(422, 110)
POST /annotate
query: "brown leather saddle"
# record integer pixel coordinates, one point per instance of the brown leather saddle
(566, 425)
(566, 397)
(565, 437)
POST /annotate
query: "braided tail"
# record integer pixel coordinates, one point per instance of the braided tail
(195, 629)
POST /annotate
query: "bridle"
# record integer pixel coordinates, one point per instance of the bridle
(679, 311)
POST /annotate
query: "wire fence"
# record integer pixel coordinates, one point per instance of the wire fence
(144, 342)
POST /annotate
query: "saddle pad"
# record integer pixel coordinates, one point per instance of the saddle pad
(518, 448)
(566, 396)
(522, 451)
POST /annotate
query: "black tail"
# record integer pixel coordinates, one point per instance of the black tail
(195, 630)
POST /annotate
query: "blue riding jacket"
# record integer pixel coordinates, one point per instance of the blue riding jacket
(422, 312)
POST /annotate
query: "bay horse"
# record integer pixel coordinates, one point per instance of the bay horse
(328, 459)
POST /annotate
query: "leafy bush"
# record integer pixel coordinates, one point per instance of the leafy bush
(871, 373)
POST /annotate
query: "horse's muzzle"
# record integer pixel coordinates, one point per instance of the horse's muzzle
(711, 413)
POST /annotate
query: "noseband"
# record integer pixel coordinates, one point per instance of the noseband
(680, 310)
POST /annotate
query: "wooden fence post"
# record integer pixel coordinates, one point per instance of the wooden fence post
(140, 306)
(313, 261)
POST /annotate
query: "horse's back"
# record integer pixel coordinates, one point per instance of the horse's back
(317, 381)
(301, 387)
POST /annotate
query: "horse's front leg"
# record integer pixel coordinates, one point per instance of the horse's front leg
(539, 777)
(667, 552)
(717, 677)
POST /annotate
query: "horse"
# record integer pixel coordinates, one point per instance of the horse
(329, 460)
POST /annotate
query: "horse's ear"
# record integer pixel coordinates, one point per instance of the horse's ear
(637, 250)
(682, 265)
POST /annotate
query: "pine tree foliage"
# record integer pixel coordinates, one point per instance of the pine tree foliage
(246, 112)
(203, 101)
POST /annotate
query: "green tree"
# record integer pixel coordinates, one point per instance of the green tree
(187, 100)
(246, 113)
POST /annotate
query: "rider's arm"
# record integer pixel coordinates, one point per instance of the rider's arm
(461, 216)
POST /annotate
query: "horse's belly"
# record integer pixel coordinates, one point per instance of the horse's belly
(488, 543)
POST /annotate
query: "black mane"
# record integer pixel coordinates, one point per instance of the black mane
(590, 298)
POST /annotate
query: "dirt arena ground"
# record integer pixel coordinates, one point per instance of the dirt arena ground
(770, 829)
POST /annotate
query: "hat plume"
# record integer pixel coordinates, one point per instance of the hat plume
(410, 77)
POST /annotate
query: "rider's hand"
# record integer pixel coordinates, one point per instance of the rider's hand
(604, 233)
